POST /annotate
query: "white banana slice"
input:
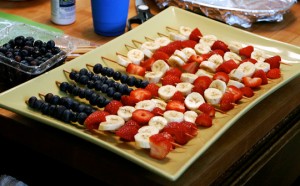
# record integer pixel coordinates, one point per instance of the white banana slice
(208, 39)
(175, 61)
(123, 61)
(125, 112)
(216, 58)
(148, 53)
(190, 116)
(160, 103)
(146, 105)
(185, 88)
(173, 116)
(136, 56)
(208, 66)
(113, 122)
(213, 96)
(202, 72)
(153, 77)
(247, 68)
(158, 121)
(262, 66)
(235, 83)
(218, 84)
(177, 37)
(162, 41)
(189, 52)
(236, 74)
(193, 100)
(235, 46)
(230, 55)
(186, 31)
(258, 55)
(166, 92)
(142, 140)
(202, 48)
(150, 45)
(147, 129)
(160, 66)
(181, 54)
(188, 77)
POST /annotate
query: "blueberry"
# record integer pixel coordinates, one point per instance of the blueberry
(131, 81)
(124, 78)
(83, 71)
(97, 68)
(110, 72)
(88, 93)
(31, 101)
(117, 75)
(83, 79)
(104, 88)
(93, 99)
(101, 101)
(81, 117)
(110, 91)
(117, 96)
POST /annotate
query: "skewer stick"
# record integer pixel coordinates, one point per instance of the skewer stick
(128, 47)
(170, 28)
(149, 39)
(176, 144)
(162, 35)
(136, 43)
(117, 53)
(105, 58)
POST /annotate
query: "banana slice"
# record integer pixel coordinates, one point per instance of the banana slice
(159, 103)
(236, 74)
(235, 83)
(142, 140)
(188, 77)
(150, 45)
(213, 96)
(158, 121)
(160, 66)
(162, 41)
(175, 61)
(193, 101)
(216, 58)
(153, 77)
(258, 55)
(208, 66)
(113, 122)
(208, 39)
(145, 104)
(202, 72)
(247, 68)
(189, 52)
(125, 112)
(235, 46)
(166, 92)
(177, 37)
(173, 116)
(190, 116)
(148, 53)
(136, 56)
(186, 31)
(185, 88)
(202, 48)
(218, 84)
(147, 129)
(181, 54)
(123, 61)
(230, 55)
(262, 66)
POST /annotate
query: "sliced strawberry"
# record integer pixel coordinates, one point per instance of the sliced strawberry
(274, 73)
(227, 66)
(160, 55)
(142, 116)
(158, 111)
(261, 74)
(128, 100)
(153, 88)
(113, 106)
(188, 44)
(132, 123)
(198, 89)
(190, 127)
(94, 119)
(190, 67)
(237, 93)
(252, 82)
(274, 61)
(140, 94)
(227, 101)
(220, 45)
(178, 96)
(171, 47)
(202, 81)
(175, 105)
(178, 131)
(195, 58)
(160, 145)
(207, 109)
(221, 76)
(127, 132)
(203, 120)
(249, 60)
(218, 51)
(170, 80)
(147, 63)
(195, 35)
(135, 69)
(247, 91)
(246, 51)
(174, 71)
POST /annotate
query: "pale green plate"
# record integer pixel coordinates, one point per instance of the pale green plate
(180, 159)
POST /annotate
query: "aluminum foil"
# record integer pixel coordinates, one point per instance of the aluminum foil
(241, 13)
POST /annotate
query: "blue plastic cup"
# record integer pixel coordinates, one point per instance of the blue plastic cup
(110, 16)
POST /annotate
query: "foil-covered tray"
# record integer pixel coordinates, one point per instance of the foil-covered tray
(241, 13)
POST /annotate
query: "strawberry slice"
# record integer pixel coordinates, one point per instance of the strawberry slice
(196, 58)
(113, 106)
(127, 132)
(158, 111)
(274, 73)
(261, 74)
(198, 89)
(220, 45)
(140, 94)
(188, 44)
(237, 93)
(247, 91)
(249, 60)
(128, 100)
(274, 61)
(178, 96)
(160, 145)
(221, 76)
(190, 127)
(147, 63)
(246, 51)
(142, 116)
(179, 132)
(202, 81)
(195, 35)
(227, 101)
(170, 48)
(170, 80)
(160, 55)
(94, 119)
(203, 120)
(252, 82)
(218, 51)
(227, 66)
(135, 69)
(190, 67)
(153, 88)
(174, 71)
(175, 105)
(207, 109)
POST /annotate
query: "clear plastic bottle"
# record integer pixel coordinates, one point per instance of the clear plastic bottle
(63, 12)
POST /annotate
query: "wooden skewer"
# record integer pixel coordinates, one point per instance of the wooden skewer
(170, 28)
(128, 47)
(161, 34)
(105, 58)
(176, 144)
(149, 39)
(117, 53)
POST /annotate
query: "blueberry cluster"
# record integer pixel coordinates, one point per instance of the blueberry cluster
(28, 51)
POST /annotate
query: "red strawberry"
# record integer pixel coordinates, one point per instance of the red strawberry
(227, 101)
(113, 106)
(249, 60)
(175, 105)
(170, 80)
(140, 94)
(160, 55)
(220, 45)
(158, 111)
(135, 69)
(252, 82)
(198, 89)
(190, 127)
(207, 109)
(94, 119)
(221, 76)
(160, 145)
(174, 71)
(202, 81)
(274, 61)
(195, 35)
(178, 96)
(170, 48)
(237, 93)
(153, 88)
(246, 51)
(203, 120)
(261, 74)
(227, 66)
(132, 123)
(247, 91)
(127, 132)
(274, 73)
(142, 116)
(190, 67)
(196, 58)
(178, 131)
(218, 51)
(128, 100)
(147, 63)
(188, 44)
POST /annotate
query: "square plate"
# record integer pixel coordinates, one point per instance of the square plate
(180, 159)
